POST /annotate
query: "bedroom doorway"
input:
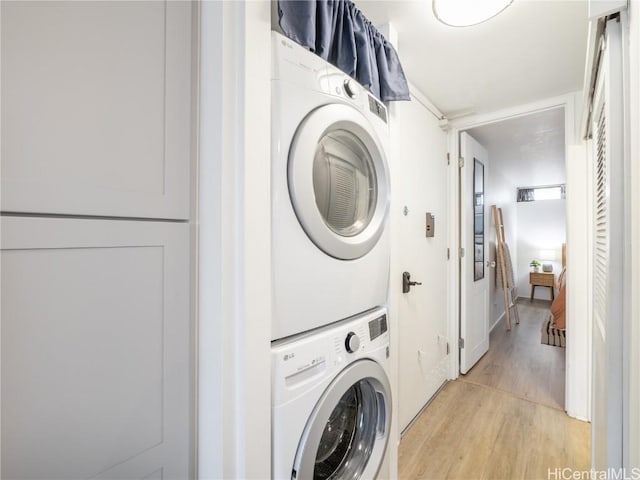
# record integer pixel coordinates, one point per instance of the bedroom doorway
(527, 181)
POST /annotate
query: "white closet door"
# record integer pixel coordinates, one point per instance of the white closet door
(95, 349)
(608, 155)
(96, 108)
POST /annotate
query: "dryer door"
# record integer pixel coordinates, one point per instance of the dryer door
(347, 432)
(338, 181)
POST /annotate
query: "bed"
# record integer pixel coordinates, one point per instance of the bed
(554, 326)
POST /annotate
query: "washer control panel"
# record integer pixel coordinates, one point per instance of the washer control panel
(305, 359)
(350, 88)
(377, 108)
(377, 327)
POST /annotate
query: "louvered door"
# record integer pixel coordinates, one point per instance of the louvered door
(607, 131)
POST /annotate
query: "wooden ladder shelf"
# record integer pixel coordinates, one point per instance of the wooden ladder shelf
(504, 271)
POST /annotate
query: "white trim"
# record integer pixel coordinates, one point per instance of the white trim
(495, 324)
(633, 459)
(627, 291)
(208, 214)
(234, 298)
(453, 292)
(578, 369)
(0, 268)
(579, 207)
(472, 121)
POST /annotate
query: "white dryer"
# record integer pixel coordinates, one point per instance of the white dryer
(330, 193)
(331, 402)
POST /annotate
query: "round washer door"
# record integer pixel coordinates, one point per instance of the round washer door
(338, 181)
(347, 432)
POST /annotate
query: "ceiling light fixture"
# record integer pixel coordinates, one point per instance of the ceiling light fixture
(464, 13)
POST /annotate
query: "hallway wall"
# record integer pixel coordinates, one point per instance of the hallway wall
(501, 192)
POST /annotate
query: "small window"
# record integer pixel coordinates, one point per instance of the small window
(533, 194)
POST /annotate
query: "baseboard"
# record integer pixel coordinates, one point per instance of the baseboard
(527, 300)
(431, 399)
(497, 321)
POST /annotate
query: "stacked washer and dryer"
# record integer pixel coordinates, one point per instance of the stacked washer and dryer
(331, 396)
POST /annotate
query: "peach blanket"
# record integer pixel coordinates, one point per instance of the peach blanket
(559, 304)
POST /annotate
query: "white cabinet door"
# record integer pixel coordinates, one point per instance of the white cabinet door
(96, 108)
(96, 349)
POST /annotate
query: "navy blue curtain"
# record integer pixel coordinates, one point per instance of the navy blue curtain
(338, 32)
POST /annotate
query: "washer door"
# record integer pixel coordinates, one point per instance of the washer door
(347, 432)
(338, 181)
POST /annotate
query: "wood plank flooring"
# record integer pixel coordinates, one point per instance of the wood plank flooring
(501, 429)
(519, 364)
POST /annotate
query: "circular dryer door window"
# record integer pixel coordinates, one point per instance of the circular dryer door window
(347, 432)
(344, 183)
(338, 181)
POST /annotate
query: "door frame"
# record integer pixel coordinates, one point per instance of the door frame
(631, 451)
(232, 284)
(578, 349)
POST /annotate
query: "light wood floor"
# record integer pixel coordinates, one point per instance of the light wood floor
(490, 431)
(519, 364)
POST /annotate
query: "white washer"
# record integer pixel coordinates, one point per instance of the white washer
(331, 401)
(330, 193)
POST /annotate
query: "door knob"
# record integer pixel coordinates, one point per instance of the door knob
(407, 283)
(491, 264)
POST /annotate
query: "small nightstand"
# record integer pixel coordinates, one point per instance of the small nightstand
(542, 279)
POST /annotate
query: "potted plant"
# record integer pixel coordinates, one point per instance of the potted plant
(535, 265)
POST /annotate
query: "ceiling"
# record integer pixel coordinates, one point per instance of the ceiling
(533, 50)
(526, 151)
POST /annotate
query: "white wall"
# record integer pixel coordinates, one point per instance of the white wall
(502, 193)
(541, 226)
